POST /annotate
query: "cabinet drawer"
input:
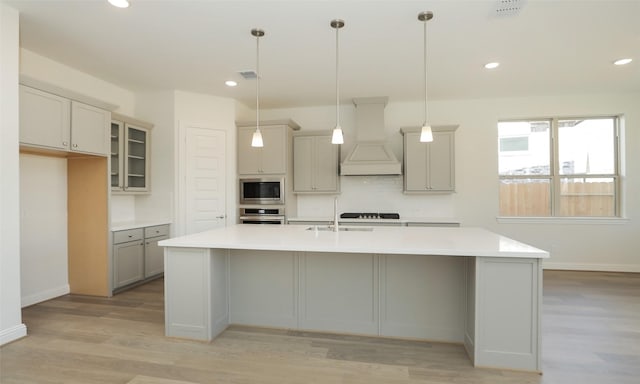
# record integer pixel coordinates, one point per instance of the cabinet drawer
(156, 230)
(129, 235)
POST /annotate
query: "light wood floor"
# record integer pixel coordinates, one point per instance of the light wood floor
(591, 334)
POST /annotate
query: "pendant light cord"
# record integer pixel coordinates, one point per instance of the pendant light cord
(258, 82)
(425, 72)
(337, 79)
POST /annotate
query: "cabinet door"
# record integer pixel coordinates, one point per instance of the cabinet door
(326, 165)
(128, 263)
(415, 163)
(117, 155)
(303, 163)
(44, 119)
(248, 156)
(273, 159)
(153, 256)
(136, 163)
(90, 127)
(441, 162)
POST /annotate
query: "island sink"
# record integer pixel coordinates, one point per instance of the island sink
(330, 228)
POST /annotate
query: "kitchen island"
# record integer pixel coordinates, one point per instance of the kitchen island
(461, 285)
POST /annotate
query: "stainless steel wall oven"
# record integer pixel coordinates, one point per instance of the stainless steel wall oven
(262, 216)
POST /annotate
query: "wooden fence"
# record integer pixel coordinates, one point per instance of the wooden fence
(576, 199)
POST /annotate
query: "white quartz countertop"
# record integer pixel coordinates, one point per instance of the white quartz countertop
(462, 241)
(126, 225)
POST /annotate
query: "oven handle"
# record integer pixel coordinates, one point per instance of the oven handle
(263, 218)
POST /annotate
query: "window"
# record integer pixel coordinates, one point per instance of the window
(559, 167)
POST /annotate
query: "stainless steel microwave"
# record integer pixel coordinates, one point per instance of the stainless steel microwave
(264, 190)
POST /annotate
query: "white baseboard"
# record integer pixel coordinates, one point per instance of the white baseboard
(44, 295)
(11, 334)
(592, 267)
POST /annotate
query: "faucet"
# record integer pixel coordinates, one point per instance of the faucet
(335, 214)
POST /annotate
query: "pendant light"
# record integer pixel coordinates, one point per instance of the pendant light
(426, 135)
(119, 3)
(337, 137)
(256, 140)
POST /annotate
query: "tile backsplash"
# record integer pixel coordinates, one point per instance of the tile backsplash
(377, 194)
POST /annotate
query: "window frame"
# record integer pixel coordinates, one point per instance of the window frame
(555, 177)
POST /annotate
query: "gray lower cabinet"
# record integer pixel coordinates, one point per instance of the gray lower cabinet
(128, 257)
(137, 256)
(154, 254)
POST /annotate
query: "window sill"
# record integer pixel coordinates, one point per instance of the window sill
(563, 220)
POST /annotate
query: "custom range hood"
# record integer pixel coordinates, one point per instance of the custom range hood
(371, 154)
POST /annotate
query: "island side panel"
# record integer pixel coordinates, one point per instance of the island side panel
(187, 286)
(508, 322)
(470, 316)
(339, 292)
(219, 273)
(263, 288)
(423, 297)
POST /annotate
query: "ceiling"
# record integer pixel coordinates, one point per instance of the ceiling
(547, 47)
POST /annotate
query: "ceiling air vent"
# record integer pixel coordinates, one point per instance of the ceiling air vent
(509, 7)
(248, 75)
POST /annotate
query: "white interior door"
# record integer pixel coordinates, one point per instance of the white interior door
(202, 175)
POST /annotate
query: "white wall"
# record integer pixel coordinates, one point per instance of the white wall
(43, 228)
(11, 327)
(159, 108)
(55, 73)
(598, 245)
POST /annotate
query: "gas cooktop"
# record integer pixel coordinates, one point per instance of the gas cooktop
(369, 215)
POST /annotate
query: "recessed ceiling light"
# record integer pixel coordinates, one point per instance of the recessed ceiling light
(230, 83)
(119, 3)
(492, 65)
(622, 61)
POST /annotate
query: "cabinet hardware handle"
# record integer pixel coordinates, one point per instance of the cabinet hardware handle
(75, 145)
(130, 235)
(65, 143)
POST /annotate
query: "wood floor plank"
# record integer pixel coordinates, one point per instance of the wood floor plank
(156, 380)
(591, 334)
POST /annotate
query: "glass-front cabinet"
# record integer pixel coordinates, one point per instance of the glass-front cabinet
(116, 154)
(130, 155)
(137, 162)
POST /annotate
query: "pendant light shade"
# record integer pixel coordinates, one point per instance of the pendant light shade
(426, 135)
(119, 3)
(337, 137)
(256, 140)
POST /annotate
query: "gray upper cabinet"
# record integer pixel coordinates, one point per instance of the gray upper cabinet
(53, 122)
(429, 167)
(274, 157)
(315, 163)
(89, 129)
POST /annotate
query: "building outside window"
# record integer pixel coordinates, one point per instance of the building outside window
(565, 167)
